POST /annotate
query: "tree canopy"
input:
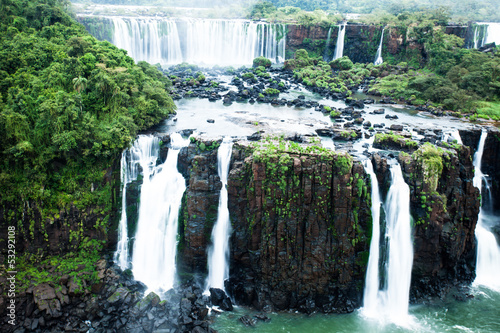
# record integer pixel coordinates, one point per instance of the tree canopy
(69, 104)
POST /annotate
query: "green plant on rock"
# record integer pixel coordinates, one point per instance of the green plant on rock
(261, 61)
(430, 160)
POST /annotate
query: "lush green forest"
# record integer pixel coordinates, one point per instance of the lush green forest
(69, 105)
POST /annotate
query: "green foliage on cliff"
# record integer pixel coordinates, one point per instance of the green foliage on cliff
(384, 139)
(69, 105)
(430, 159)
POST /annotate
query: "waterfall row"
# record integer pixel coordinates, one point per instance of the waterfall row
(488, 250)
(391, 302)
(218, 254)
(339, 47)
(205, 42)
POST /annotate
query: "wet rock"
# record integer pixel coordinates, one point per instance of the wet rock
(388, 116)
(395, 127)
(255, 136)
(219, 298)
(248, 321)
(379, 111)
(210, 121)
(324, 131)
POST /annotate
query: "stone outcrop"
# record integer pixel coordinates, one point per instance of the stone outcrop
(300, 231)
(200, 204)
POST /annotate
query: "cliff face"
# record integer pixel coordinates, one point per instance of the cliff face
(200, 204)
(302, 225)
(58, 232)
(361, 42)
(300, 228)
(301, 232)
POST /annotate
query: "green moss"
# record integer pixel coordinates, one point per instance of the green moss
(430, 160)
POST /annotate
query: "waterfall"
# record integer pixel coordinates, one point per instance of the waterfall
(454, 135)
(476, 37)
(372, 275)
(203, 41)
(148, 39)
(391, 303)
(378, 57)
(218, 255)
(144, 152)
(492, 33)
(488, 251)
(121, 254)
(339, 47)
(327, 45)
(155, 247)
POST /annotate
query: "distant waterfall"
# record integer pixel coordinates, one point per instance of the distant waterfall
(155, 247)
(339, 47)
(370, 299)
(378, 57)
(205, 42)
(218, 255)
(391, 303)
(492, 33)
(485, 33)
(327, 45)
(476, 37)
(148, 39)
(488, 251)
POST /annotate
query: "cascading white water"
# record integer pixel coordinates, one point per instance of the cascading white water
(206, 41)
(378, 56)
(400, 247)
(476, 37)
(155, 247)
(454, 135)
(492, 33)
(370, 299)
(218, 255)
(148, 39)
(327, 45)
(391, 303)
(339, 47)
(143, 153)
(121, 254)
(488, 250)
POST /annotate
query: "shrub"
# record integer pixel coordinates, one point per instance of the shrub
(261, 61)
(343, 63)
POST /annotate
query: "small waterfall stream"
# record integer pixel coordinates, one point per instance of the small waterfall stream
(155, 247)
(391, 303)
(488, 251)
(327, 44)
(378, 56)
(372, 274)
(218, 255)
(339, 47)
